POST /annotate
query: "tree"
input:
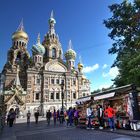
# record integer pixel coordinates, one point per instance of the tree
(125, 33)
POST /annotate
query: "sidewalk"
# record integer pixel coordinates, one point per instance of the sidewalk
(124, 132)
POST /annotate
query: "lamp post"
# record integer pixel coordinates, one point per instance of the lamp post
(62, 88)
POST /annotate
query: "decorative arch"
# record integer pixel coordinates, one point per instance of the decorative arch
(55, 66)
(53, 52)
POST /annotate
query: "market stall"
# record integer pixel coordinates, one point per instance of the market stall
(125, 101)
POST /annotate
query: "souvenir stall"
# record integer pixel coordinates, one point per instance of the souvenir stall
(82, 104)
(125, 103)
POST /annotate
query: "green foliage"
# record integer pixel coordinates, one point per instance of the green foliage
(124, 28)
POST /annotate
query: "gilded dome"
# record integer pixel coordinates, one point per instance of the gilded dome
(80, 65)
(20, 34)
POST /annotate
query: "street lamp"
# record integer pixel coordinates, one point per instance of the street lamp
(62, 88)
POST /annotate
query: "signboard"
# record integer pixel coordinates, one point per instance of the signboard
(107, 95)
(83, 100)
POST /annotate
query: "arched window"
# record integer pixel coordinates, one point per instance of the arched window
(53, 53)
(74, 95)
(46, 52)
(37, 96)
(40, 59)
(20, 43)
(52, 95)
(57, 95)
(35, 58)
(18, 57)
(83, 94)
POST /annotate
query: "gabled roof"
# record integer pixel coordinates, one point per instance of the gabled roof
(14, 97)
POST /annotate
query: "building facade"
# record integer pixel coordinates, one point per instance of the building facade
(34, 82)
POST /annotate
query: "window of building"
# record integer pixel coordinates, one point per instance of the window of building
(52, 95)
(40, 58)
(62, 81)
(53, 53)
(52, 81)
(57, 96)
(46, 52)
(57, 81)
(37, 96)
(74, 95)
(74, 82)
(83, 94)
(38, 81)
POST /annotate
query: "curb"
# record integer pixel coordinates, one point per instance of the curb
(127, 134)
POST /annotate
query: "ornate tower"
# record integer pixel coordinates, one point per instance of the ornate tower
(70, 56)
(17, 56)
(51, 42)
(38, 51)
(18, 53)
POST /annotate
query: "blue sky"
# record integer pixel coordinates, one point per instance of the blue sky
(78, 20)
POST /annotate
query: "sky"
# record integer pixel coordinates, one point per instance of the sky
(78, 20)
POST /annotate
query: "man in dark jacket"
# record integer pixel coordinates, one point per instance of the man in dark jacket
(36, 116)
(100, 116)
(48, 116)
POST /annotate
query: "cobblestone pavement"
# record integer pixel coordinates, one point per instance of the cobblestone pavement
(41, 131)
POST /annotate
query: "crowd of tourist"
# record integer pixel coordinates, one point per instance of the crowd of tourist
(70, 117)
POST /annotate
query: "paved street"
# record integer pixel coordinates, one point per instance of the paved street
(41, 131)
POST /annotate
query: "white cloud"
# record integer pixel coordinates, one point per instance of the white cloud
(113, 72)
(105, 66)
(89, 69)
(105, 74)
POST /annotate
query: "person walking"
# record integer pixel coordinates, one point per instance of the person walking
(110, 113)
(89, 114)
(28, 117)
(54, 117)
(12, 116)
(61, 117)
(36, 116)
(100, 116)
(58, 115)
(48, 117)
(76, 117)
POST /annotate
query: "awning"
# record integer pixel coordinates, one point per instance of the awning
(107, 95)
(83, 100)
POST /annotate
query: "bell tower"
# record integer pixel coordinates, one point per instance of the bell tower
(53, 49)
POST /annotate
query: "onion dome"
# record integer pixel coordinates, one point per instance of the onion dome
(38, 48)
(20, 33)
(52, 20)
(80, 66)
(70, 54)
